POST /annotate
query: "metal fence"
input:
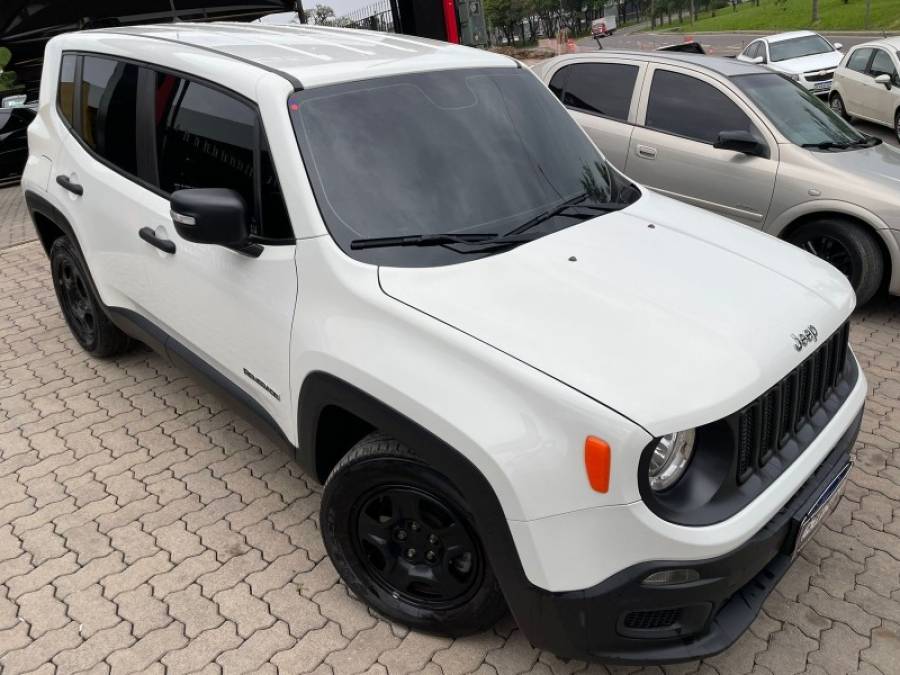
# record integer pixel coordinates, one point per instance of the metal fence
(376, 16)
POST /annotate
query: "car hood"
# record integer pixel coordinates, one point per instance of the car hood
(880, 163)
(668, 314)
(805, 64)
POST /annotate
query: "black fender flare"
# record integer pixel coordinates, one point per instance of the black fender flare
(528, 603)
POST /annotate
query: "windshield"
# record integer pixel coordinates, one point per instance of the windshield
(797, 47)
(802, 117)
(463, 152)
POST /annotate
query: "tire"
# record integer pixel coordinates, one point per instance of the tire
(848, 246)
(836, 103)
(897, 124)
(402, 538)
(80, 307)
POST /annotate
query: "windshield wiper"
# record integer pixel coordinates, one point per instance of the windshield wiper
(559, 209)
(867, 141)
(422, 240)
(827, 145)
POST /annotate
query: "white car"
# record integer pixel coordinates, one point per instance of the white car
(525, 380)
(803, 56)
(867, 84)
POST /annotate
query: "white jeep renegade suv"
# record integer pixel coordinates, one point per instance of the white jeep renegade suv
(524, 380)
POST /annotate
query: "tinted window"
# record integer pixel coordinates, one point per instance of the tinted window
(601, 88)
(65, 95)
(859, 59)
(458, 151)
(685, 106)
(882, 65)
(108, 110)
(795, 48)
(558, 82)
(802, 117)
(206, 139)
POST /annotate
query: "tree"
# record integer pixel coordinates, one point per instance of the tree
(322, 13)
(815, 10)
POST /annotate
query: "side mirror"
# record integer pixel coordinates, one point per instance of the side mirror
(758, 59)
(211, 216)
(741, 141)
(884, 79)
(838, 46)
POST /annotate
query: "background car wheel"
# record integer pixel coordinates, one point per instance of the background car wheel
(401, 537)
(837, 105)
(80, 307)
(897, 124)
(849, 247)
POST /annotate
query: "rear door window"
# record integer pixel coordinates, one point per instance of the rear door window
(600, 88)
(108, 110)
(685, 106)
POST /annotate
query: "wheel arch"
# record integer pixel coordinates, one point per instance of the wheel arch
(882, 236)
(49, 222)
(323, 395)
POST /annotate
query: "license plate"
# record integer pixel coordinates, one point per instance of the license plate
(822, 86)
(824, 505)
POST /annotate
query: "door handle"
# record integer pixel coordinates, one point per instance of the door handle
(66, 183)
(148, 235)
(646, 152)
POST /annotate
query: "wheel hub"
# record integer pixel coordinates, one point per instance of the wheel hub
(416, 547)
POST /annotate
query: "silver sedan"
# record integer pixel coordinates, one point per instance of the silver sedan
(745, 142)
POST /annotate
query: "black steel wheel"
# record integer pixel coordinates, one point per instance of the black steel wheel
(80, 307)
(416, 547)
(848, 246)
(402, 539)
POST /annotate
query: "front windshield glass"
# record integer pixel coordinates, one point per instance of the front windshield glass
(802, 117)
(467, 152)
(797, 47)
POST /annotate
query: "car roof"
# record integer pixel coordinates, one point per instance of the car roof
(311, 55)
(890, 42)
(728, 67)
(791, 35)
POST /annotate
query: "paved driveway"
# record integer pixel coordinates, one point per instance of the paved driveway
(144, 527)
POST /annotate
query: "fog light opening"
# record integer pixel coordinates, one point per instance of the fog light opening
(682, 575)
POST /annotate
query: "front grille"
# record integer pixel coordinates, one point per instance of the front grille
(652, 619)
(819, 75)
(767, 424)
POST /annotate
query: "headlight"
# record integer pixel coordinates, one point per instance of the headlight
(795, 77)
(670, 458)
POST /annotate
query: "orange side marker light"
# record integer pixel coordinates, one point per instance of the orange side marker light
(597, 460)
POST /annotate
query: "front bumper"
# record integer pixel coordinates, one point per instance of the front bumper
(623, 621)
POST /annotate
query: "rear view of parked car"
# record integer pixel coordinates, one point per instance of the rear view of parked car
(745, 142)
(806, 57)
(867, 84)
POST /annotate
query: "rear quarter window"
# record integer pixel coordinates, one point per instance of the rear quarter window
(65, 93)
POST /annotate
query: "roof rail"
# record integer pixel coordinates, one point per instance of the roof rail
(295, 83)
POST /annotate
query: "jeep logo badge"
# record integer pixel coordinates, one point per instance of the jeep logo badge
(807, 335)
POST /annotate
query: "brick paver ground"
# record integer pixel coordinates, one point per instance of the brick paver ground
(15, 225)
(146, 528)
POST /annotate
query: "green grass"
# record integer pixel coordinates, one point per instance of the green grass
(796, 14)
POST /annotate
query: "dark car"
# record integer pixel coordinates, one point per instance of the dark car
(27, 25)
